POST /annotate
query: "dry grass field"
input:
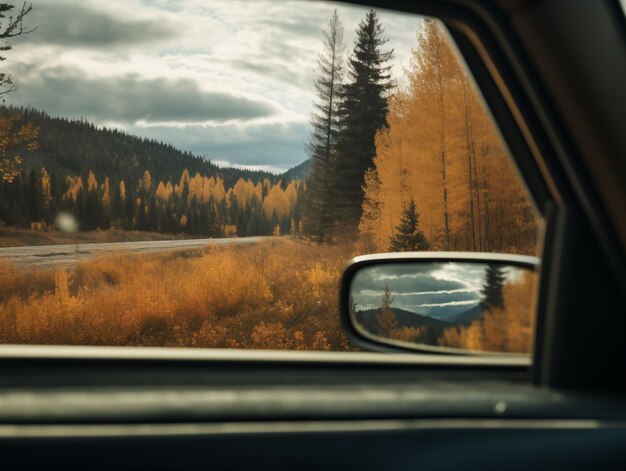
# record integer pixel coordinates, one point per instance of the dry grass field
(278, 294)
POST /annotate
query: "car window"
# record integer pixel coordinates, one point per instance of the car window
(198, 174)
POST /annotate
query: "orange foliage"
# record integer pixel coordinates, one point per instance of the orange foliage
(16, 138)
(276, 200)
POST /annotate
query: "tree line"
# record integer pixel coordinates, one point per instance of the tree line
(196, 205)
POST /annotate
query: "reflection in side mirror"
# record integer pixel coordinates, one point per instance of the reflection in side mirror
(443, 302)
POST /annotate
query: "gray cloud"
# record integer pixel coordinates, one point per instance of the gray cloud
(365, 281)
(129, 98)
(416, 289)
(291, 33)
(401, 277)
(74, 25)
(283, 71)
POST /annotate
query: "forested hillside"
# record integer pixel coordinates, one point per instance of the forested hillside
(107, 178)
(75, 147)
(299, 172)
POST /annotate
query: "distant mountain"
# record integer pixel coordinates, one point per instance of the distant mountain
(433, 327)
(75, 147)
(299, 172)
(469, 316)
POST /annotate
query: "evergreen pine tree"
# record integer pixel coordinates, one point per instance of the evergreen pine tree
(363, 112)
(153, 215)
(492, 288)
(408, 237)
(323, 140)
(212, 223)
(35, 201)
(130, 212)
(233, 210)
(242, 225)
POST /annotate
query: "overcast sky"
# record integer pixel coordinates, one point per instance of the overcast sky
(229, 80)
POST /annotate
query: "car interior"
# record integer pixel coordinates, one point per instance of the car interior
(552, 74)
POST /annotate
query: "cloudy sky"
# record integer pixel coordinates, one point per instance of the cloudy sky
(439, 290)
(229, 80)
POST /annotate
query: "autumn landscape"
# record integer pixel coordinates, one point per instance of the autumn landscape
(394, 162)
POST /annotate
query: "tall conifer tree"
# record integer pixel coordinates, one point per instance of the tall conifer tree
(492, 288)
(324, 121)
(363, 112)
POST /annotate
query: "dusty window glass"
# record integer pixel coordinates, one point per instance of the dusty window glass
(197, 174)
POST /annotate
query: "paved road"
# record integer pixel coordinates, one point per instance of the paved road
(48, 256)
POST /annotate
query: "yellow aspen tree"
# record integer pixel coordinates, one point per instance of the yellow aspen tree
(258, 189)
(208, 185)
(92, 182)
(219, 192)
(292, 192)
(146, 181)
(276, 200)
(196, 187)
(370, 225)
(433, 78)
(185, 178)
(122, 190)
(161, 192)
(46, 195)
(74, 186)
(106, 195)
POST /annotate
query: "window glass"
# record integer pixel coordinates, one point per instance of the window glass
(197, 174)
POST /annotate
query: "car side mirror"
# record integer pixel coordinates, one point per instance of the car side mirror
(442, 302)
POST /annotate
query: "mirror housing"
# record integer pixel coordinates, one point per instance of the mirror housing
(387, 264)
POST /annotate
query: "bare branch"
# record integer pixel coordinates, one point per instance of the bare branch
(16, 24)
(14, 28)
